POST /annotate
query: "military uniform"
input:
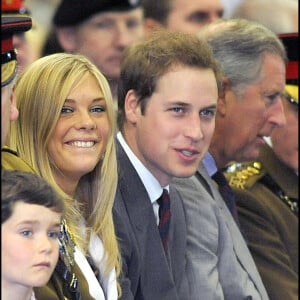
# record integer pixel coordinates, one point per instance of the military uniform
(57, 288)
(267, 198)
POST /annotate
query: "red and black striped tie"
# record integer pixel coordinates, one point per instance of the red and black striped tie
(164, 217)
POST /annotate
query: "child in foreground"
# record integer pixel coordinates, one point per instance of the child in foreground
(30, 227)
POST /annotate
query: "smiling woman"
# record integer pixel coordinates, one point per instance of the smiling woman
(65, 132)
(80, 135)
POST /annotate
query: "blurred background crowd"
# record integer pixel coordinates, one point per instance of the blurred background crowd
(281, 16)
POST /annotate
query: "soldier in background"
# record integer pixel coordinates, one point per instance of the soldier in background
(99, 30)
(21, 41)
(10, 25)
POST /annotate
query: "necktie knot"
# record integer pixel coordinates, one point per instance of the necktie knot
(164, 217)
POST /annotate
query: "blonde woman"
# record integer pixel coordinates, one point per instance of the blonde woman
(65, 131)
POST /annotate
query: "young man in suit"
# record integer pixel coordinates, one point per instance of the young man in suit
(249, 108)
(167, 98)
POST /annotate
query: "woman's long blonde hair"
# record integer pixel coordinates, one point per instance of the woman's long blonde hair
(41, 91)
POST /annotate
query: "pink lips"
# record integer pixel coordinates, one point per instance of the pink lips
(189, 155)
(43, 264)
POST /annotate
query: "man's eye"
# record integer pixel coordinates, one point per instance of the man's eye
(104, 25)
(178, 109)
(208, 112)
(132, 23)
(200, 17)
(272, 98)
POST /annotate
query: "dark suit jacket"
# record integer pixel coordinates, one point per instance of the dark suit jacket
(270, 226)
(147, 273)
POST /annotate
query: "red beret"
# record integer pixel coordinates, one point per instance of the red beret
(13, 7)
(11, 24)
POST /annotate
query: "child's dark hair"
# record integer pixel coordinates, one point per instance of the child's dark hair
(28, 188)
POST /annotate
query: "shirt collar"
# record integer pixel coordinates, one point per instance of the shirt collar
(151, 184)
(209, 164)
